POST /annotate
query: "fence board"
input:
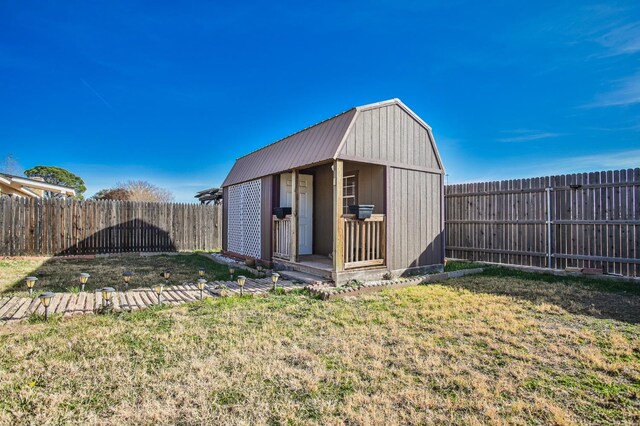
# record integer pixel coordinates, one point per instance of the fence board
(595, 221)
(45, 227)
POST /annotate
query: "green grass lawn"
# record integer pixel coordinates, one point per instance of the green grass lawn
(61, 274)
(491, 348)
(457, 265)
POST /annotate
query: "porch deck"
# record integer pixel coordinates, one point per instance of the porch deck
(313, 264)
(316, 261)
(361, 243)
(321, 267)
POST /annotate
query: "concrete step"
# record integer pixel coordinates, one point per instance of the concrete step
(302, 277)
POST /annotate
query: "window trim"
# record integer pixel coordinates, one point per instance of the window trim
(351, 174)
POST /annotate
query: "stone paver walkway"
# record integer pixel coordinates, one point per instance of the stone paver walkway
(68, 304)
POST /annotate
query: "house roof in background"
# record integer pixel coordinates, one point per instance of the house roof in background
(318, 143)
(26, 185)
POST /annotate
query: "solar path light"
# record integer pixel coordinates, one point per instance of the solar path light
(31, 281)
(201, 283)
(126, 277)
(45, 299)
(241, 280)
(158, 289)
(274, 279)
(107, 294)
(201, 272)
(84, 277)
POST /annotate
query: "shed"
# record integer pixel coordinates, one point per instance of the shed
(291, 203)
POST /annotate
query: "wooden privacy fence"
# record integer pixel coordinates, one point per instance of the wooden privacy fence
(586, 220)
(41, 227)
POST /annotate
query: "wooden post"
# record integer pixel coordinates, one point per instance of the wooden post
(295, 183)
(388, 216)
(549, 225)
(338, 227)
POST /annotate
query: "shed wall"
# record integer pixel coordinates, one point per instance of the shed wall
(390, 135)
(323, 209)
(415, 229)
(370, 184)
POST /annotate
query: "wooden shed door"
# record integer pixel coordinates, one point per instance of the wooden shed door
(305, 211)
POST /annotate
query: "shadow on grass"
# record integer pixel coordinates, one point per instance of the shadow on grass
(61, 274)
(600, 298)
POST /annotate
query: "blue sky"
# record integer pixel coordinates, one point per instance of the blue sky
(173, 92)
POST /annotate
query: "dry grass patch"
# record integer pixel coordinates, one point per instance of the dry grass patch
(438, 353)
(60, 274)
(601, 298)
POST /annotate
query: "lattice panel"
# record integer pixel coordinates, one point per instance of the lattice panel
(234, 221)
(252, 196)
(243, 223)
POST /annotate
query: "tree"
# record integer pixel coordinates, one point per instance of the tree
(58, 176)
(135, 190)
(120, 194)
(141, 190)
(11, 166)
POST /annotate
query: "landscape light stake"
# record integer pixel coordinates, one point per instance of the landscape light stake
(126, 276)
(158, 289)
(201, 283)
(84, 277)
(45, 299)
(259, 268)
(274, 278)
(241, 280)
(31, 281)
(232, 271)
(107, 293)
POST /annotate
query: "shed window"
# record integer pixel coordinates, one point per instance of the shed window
(349, 191)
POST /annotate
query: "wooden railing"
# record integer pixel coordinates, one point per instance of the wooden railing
(282, 237)
(364, 241)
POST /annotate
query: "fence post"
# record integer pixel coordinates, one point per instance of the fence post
(549, 223)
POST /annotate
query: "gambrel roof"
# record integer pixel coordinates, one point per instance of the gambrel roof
(374, 133)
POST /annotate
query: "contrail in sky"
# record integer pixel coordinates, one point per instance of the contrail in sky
(96, 93)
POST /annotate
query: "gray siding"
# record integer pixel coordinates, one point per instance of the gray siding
(414, 216)
(323, 210)
(390, 135)
(370, 183)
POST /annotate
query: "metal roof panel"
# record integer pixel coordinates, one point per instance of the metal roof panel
(312, 145)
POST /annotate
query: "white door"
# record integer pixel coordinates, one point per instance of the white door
(305, 209)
